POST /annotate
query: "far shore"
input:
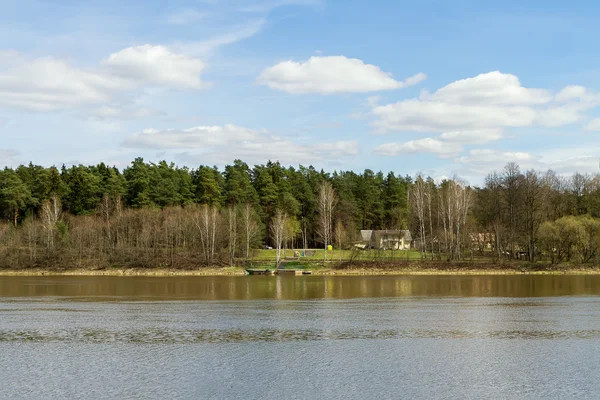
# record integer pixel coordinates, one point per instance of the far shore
(359, 271)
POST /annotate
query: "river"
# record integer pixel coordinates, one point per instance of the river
(309, 337)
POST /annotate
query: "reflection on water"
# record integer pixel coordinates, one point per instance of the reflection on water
(159, 336)
(298, 288)
(417, 337)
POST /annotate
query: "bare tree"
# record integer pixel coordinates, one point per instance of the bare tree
(278, 230)
(429, 189)
(512, 188)
(578, 185)
(493, 208)
(206, 222)
(50, 215)
(326, 201)
(463, 197)
(533, 197)
(340, 236)
(232, 219)
(250, 226)
(455, 204)
(418, 195)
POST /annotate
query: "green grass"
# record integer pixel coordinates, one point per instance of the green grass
(334, 255)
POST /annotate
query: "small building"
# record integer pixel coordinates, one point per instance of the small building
(388, 239)
(482, 241)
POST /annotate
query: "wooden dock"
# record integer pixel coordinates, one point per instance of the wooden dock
(260, 271)
(293, 272)
(289, 272)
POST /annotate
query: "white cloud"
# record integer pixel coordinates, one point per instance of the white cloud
(434, 116)
(578, 95)
(221, 144)
(477, 110)
(50, 84)
(472, 137)
(494, 156)
(571, 92)
(593, 125)
(580, 157)
(156, 65)
(487, 101)
(47, 83)
(427, 145)
(492, 88)
(334, 74)
(448, 144)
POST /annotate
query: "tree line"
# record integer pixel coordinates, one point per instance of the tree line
(159, 214)
(169, 215)
(526, 215)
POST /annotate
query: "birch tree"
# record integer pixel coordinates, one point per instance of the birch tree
(206, 222)
(250, 226)
(418, 195)
(232, 220)
(278, 231)
(50, 215)
(326, 201)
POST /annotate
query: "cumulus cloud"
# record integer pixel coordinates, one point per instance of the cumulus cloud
(49, 83)
(477, 110)
(493, 88)
(487, 101)
(156, 65)
(571, 92)
(221, 144)
(434, 116)
(333, 74)
(427, 145)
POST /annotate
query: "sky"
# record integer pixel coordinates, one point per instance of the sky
(440, 88)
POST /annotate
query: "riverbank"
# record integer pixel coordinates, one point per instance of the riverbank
(358, 271)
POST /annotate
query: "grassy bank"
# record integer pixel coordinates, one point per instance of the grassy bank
(332, 269)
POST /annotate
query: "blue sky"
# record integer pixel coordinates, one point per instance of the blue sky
(433, 87)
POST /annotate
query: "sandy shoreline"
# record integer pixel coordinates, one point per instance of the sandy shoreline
(238, 271)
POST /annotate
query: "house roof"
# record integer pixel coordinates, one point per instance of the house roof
(367, 235)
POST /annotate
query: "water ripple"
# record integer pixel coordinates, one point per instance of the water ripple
(165, 336)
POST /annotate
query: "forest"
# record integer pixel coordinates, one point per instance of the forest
(162, 215)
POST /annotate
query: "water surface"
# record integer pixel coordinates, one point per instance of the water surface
(300, 337)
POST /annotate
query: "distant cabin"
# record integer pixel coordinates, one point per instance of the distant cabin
(389, 239)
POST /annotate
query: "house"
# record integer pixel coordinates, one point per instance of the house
(389, 239)
(482, 241)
